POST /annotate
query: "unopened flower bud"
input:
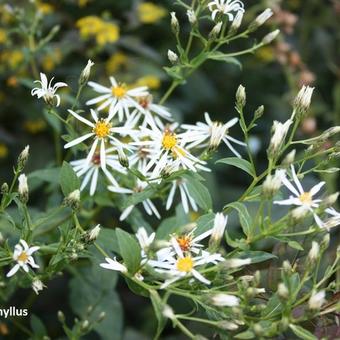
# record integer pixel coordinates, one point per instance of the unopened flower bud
(85, 325)
(314, 252)
(282, 290)
(258, 329)
(23, 157)
(279, 133)
(220, 223)
(325, 241)
(4, 188)
(259, 112)
(172, 56)
(270, 37)
(330, 200)
(317, 300)
(37, 286)
(191, 16)
(287, 267)
(168, 312)
(174, 23)
(123, 159)
(289, 159)
(260, 20)
(85, 74)
(73, 200)
(227, 325)
(222, 300)
(101, 316)
(241, 96)
(303, 100)
(234, 263)
(23, 188)
(92, 234)
(215, 31)
(61, 316)
(272, 184)
(299, 213)
(236, 23)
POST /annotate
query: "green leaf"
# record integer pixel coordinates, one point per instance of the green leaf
(238, 163)
(69, 181)
(158, 308)
(129, 250)
(302, 333)
(256, 256)
(94, 286)
(295, 245)
(245, 219)
(245, 335)
(198, 192)
(38, 328)
(219, 56)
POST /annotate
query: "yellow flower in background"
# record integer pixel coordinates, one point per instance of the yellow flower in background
(3, 151)
(109, 34)
(3, 36)
(151, 81)
(149, 13)
(50, 60)
(116, 61)
(44, 7)
(265, 54)
(82, 3)
(92, 26)
(34, 126)
(12, 58)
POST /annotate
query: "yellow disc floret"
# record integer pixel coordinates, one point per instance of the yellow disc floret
(102, 128)
(169, 139)
(23, 257)
(119, 91)
(306, 198)
(185, 264)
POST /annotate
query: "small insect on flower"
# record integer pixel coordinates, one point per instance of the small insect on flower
(23, 256)
(119, 98)
(210, 134)
(182, 265)
(102, 131)
(301, 197)
(225, 7)
(47, 91)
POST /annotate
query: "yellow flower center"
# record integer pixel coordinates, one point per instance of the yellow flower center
(102, 129)
(185, 264)
(306, 198)
(169, 139)
(23, 257)
(184, 242)
(118, 91)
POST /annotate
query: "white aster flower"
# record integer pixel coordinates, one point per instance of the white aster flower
(91, 170)
(279, 133)
(47, 91)
(317, 300)
(186, 198)
(225, 300)
(23, 256)
(144, 239)
(114, 265)
(181, 265)
(172, 56)
(37, 286)
(151, 114)
(165, 148)
(301, 197)
(117, 97)
(102, 131)
(148, 205)
(220, 222)
(225, 7)
(210, 134)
